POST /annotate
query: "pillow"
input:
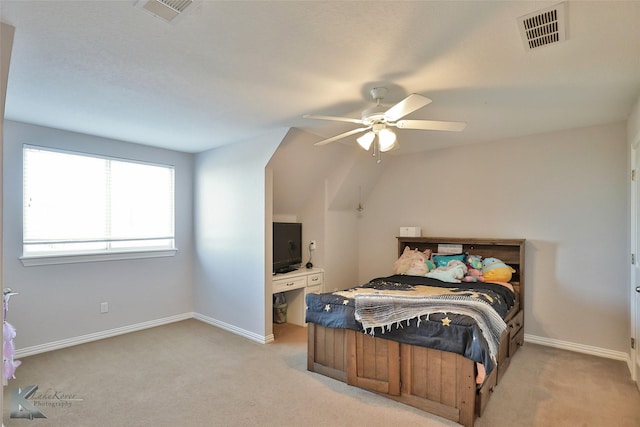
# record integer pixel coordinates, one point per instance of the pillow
(495, 270)
(443, 260)
(412, 262)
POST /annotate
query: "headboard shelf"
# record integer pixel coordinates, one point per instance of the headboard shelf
(509, 251)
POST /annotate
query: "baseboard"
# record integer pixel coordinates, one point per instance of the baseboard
(580, 348)
(56, 345)
(234, 329)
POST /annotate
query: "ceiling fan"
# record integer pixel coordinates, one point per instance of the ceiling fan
(379, 120)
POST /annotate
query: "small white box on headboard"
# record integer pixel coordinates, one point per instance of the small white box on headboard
(410, 232)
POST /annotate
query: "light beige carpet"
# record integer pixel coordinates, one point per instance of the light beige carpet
(192, 374)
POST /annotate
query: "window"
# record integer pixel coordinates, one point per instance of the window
(80, 204)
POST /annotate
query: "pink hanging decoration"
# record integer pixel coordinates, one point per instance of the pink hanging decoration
(9, 333)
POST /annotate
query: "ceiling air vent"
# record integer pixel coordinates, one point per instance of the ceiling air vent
(167, 10)
(544, 27)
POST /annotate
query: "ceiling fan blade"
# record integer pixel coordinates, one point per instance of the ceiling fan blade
(339, 119)
(431, 125)
(408, 105)
(342, 135)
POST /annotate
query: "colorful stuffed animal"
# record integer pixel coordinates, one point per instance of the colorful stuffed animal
(453, 273)
(473, 275)
(413, 262)
(9, 365)
(495, 270)
(474, 261)
(474, 269)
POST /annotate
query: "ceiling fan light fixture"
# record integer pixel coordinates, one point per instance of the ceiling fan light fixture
(386, 139)
(365, 140)
(377, 120)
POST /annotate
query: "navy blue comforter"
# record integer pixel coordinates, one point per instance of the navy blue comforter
(443, 331)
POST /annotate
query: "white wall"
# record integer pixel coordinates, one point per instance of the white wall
(341, 250)
(633, 125)
(231, 256)
(311, 185)
(565, 192)
(60, 302)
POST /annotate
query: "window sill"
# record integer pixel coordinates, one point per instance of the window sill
(35, 260)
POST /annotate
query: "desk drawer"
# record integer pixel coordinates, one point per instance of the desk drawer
(289, 284)
(315, 279)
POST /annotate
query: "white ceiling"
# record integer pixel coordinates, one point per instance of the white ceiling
(228, 71)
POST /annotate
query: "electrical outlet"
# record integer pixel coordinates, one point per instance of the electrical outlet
(312, 245)
(104, 307)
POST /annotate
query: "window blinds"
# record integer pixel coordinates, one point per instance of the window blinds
(80, 203)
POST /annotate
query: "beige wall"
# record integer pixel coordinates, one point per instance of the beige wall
(565, 192)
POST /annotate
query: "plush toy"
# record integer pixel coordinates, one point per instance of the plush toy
(413, 262)
(453, 273)
(474, 261)
(473, 275)
(495, 270)
(9, 365)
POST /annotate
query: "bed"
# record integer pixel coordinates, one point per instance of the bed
(432, 372)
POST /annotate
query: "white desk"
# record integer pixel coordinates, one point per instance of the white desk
(296, 285)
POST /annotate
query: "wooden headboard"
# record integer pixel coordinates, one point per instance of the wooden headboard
(509, 251)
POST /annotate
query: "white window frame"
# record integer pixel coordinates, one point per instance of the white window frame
(78, 256)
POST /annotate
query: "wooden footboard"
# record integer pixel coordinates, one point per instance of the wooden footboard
(439, 382)
(435, 381)
(327, 351)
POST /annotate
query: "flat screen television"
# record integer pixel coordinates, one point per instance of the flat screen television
(287, 246)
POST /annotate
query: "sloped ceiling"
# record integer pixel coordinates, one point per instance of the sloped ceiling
(301, 171)
(228, 71)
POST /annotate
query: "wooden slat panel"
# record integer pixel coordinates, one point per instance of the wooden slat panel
(393, 368)
(352, 358)
(466, 393)
(329, 354)
(416, 363)
(311, 346)
(361, 349)
(373, 364)
(381, 359)
(418, 372)
(316, 352)
(326, 346)
(321, 350)
(405, 368)
(434, 374)
(449, 375)
(339, 346)
(373, 359)
(369, 357)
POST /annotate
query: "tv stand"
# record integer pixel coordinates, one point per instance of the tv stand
(296, 285)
